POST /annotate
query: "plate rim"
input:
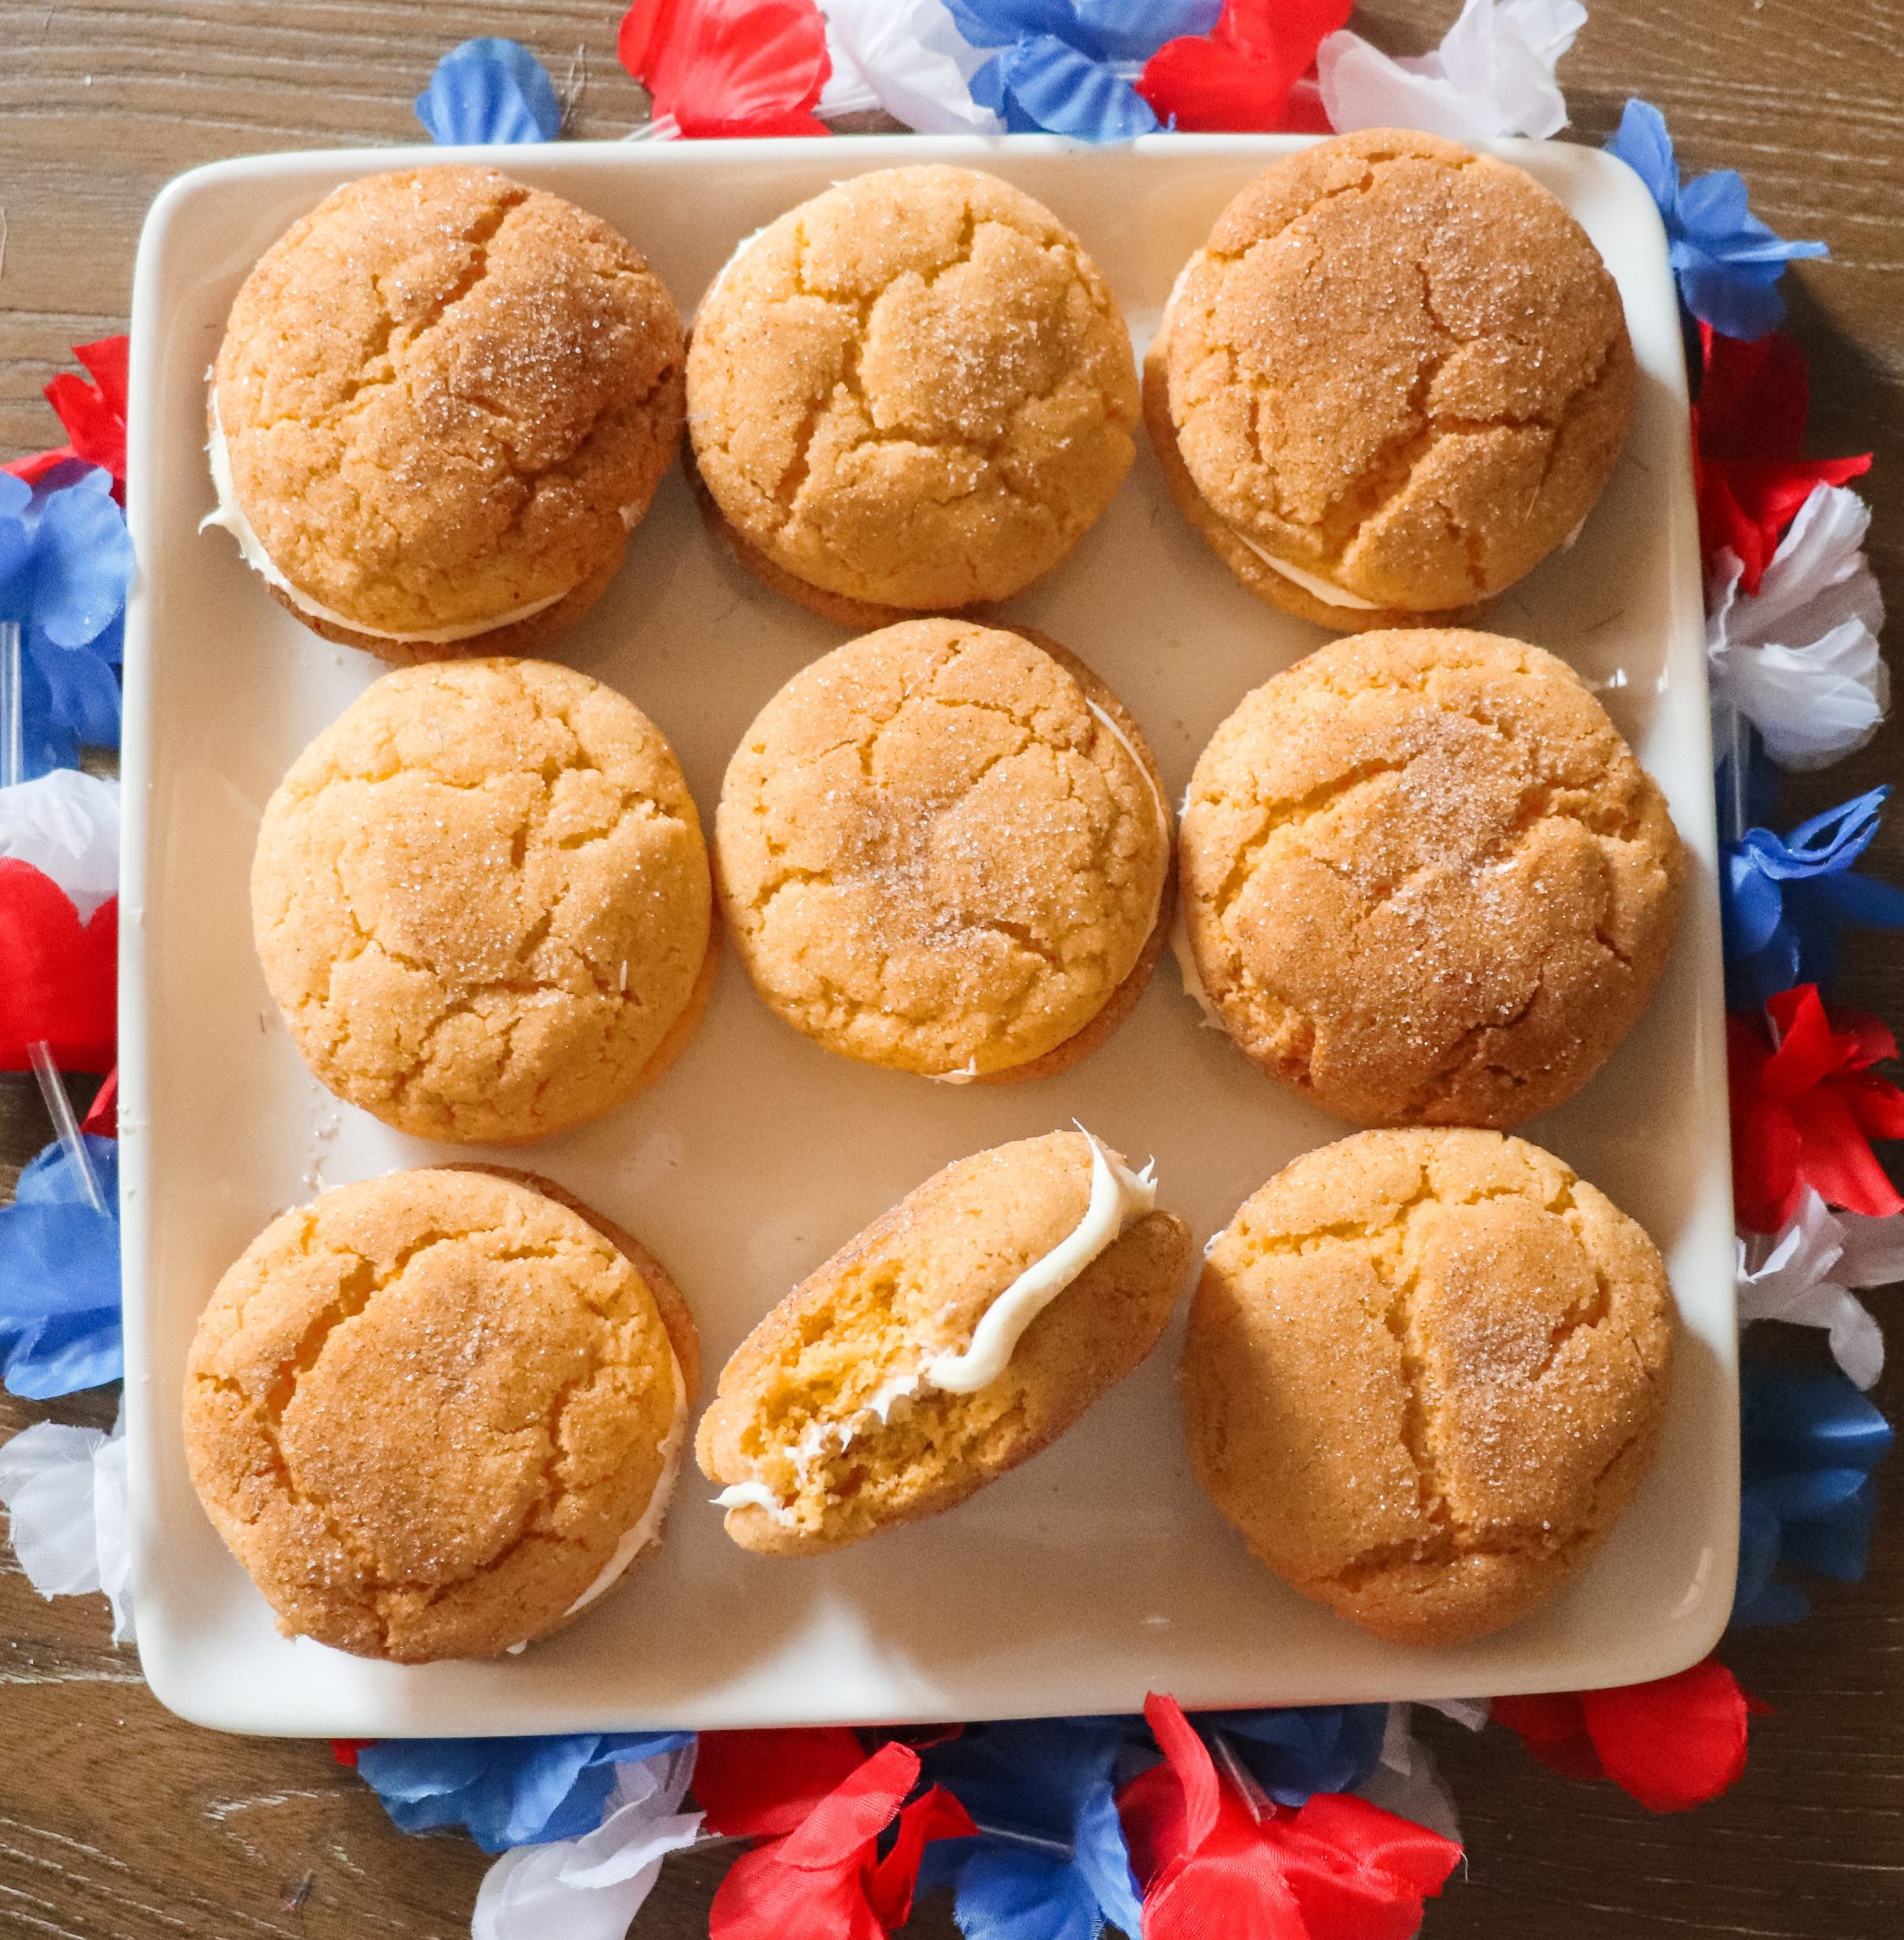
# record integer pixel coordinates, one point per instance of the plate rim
(1646, 1661)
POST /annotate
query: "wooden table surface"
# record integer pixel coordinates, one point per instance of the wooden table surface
(118, 1822)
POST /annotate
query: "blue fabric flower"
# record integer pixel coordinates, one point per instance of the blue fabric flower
(66, 564)
(1784, 900)
(1727, 262)
(489, 90)
(1295, 1751)
(60, 1328)
(1050, 1861)
(509, 1791)
(1809, 1442)
(1065, 66)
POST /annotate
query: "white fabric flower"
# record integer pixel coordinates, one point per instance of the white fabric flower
(1800, 658)
(1804, 1274)
(66, 824)
(1493, 75)
(907, 56)
(1406, 1783)
(65, 1490)
(590, 1888)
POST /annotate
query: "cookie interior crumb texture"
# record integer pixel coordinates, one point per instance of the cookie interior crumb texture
(1423, 1376)
(1425, 881)
(915, 390)
(822, 1405)
(446, 397)
(483, 902)
(942, 851)
(425, 1411)
(1399, 367)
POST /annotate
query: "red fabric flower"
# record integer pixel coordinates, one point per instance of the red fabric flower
(1249, 72)
(1671, 1744)
(93, 419)
(730, 67)
(60, 982)
(1803, 1112)
(1748, 430)
(1335, 1869)
(822, 1879)
(758, 1783)
(101, 1117)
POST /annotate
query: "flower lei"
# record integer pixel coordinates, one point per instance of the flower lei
(1318, 1823)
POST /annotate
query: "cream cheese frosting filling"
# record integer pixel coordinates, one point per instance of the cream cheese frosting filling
(1193, 988)
(647, 1530)
(230, 518)
(755, 1495)
(1118, 1196)
(1325, 590)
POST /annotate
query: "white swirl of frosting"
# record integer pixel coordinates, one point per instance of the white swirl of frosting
(755, 1495)
(1118, 1196)
(230, 518)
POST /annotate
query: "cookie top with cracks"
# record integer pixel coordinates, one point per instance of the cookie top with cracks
(1425, 1374)
(1425, 880)
(446, 396)
(1400, 366)
(942, 849)
(424, 1410)
(482, 898)
(915, 389)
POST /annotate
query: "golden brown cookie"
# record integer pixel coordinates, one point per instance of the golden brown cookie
(1395, 378)
(913, 393)
(483, 902)
(443, 403)
(1424, 1375)
(955, 1337)
(945, 849)
(438, 1414)
(1424, 880)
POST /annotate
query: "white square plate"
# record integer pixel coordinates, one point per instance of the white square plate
(1097, 1572)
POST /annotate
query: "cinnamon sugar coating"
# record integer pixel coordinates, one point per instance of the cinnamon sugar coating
(483, 902)
(1425, 881)
(1424, 1375)
(913, 392)
(424, 1411)
(446, 396)
(1397, 366)
(934, 855)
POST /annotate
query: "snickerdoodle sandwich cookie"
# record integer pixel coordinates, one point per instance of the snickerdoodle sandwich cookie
(945, 849)
(437, 1414)
(913, 393)
(1393, 380)
(443, 403)
(954, 1338)
(1424, 880)
(481, 900)
(1424, 1375)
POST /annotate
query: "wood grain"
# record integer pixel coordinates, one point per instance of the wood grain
(117, 1822)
